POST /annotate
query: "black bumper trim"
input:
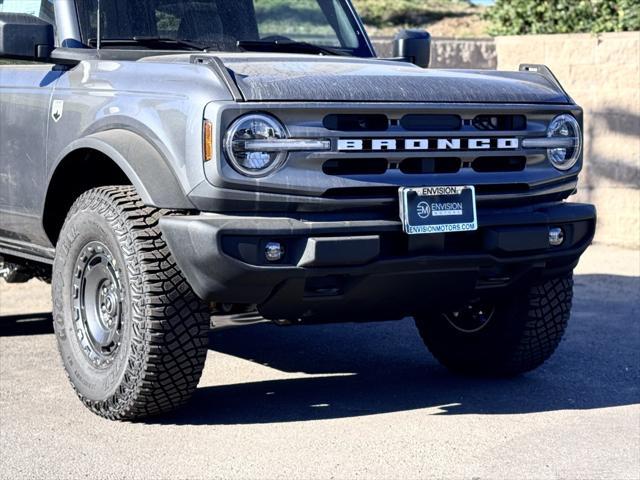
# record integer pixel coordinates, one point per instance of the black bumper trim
(288, 290)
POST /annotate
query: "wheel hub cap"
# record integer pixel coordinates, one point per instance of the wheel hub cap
(471, 319)
(97, 304)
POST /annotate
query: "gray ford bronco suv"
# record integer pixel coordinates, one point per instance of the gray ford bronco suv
(164, 162)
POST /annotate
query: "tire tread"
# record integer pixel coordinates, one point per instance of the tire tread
(170, 323)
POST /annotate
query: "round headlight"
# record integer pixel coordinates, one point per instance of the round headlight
(565, 127)
(240, 152)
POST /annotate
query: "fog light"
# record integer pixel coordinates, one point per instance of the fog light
(274, 252)
(556, 236)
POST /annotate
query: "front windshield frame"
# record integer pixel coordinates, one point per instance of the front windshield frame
(363, 49)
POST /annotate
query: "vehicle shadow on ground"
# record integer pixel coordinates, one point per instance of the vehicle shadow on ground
(376, 368)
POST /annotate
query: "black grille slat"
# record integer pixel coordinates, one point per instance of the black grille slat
(500, 122)
(434, 123)
(417, 166)
(355, 166)
(499, 164)
(356, 122)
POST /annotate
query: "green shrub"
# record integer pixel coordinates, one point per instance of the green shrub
(521, 17)
(383, 13)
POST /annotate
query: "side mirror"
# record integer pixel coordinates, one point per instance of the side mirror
(25, 37)
(413, 46)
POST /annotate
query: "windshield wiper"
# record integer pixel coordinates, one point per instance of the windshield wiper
(151, 42)
(287, 46)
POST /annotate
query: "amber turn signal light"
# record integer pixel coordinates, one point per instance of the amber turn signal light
(208, 140)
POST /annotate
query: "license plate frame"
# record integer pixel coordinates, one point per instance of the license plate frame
(438, 209)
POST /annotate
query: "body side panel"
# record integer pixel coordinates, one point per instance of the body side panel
(25, 96)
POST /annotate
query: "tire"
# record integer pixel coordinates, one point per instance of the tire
(509, 338)
(132, 334)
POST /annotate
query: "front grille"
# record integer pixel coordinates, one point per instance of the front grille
(377, 148)
(442, 152)
(422, 166)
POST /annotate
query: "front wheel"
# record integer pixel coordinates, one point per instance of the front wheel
(132, 334)
(502, 338)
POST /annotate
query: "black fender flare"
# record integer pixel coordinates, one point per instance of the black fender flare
(142, 163)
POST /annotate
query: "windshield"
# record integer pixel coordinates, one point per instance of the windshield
(224, 25)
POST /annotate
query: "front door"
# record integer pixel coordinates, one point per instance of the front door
(25, 110)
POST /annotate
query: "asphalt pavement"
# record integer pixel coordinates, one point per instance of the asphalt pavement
(344, 401)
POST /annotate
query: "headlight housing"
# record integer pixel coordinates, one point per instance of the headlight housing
(566, 129)
(248, 129)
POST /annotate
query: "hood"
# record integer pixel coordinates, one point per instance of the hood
(335, 79)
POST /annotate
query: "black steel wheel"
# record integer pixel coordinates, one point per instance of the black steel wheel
(97, 304)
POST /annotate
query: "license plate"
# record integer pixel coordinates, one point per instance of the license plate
(438, 209)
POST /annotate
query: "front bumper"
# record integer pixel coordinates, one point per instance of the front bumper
(370, 269)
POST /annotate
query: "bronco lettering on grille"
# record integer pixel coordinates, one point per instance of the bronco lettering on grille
(426, 144)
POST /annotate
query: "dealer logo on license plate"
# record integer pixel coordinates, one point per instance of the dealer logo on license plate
(438, 209)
